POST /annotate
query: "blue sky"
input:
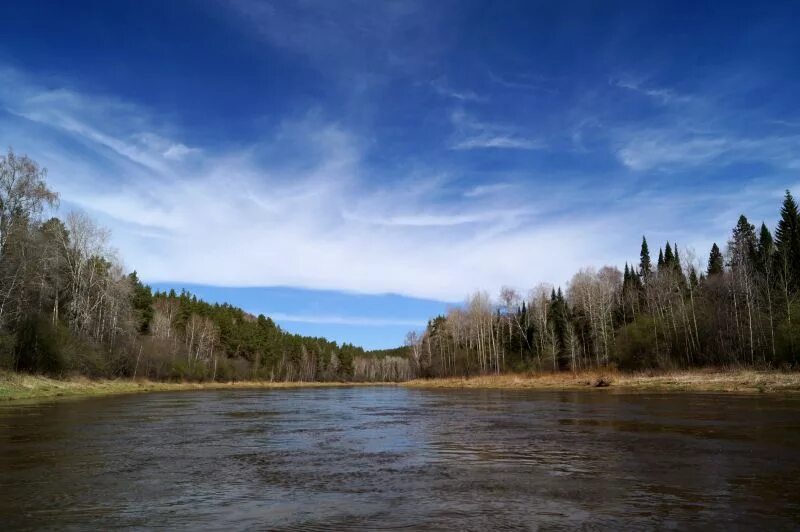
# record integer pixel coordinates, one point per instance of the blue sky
(354, 167)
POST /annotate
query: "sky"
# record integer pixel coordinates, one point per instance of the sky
(353, 168)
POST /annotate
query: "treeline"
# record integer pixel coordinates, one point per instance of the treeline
(740, 308)
(67, 306)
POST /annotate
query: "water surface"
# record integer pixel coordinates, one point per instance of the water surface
(396, 458)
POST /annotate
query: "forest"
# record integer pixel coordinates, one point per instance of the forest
(740, 308)
(67, 307)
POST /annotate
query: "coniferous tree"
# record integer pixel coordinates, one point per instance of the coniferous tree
(765, 249)
(645, 267)
(676, 266)
(141, 302)
(787, 240)
(742, 251)
(715, 261)
(743, 243)
(669, 258)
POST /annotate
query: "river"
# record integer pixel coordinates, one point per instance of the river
(397, 458)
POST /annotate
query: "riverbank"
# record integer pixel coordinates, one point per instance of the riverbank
(19, 386)
(728, 380)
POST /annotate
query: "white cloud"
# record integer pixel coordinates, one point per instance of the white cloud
(677, 147)
(230, 219)
(169, 149)
(342, 37)
(441, 88)
(498, 141)
(471, 134)
(645, 152)
(85, 119)
(662, 95)
(700, 131)
(345, 320)
(486, 190)
(332, 223)
(177, 152)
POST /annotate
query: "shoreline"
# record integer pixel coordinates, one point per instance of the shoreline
(21, 387)
(699, 380)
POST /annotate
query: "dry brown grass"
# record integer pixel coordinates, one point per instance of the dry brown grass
(729, 380)
(17, 386)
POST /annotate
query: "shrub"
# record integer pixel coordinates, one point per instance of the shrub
(8, 344)
(38, 347)
(636, 345)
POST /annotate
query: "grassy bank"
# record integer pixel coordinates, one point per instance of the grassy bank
(15, 386)
(732, 380)
(18, 386)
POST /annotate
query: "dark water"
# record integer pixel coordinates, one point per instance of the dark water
(390, 458)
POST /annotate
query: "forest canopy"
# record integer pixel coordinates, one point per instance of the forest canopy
(740, 308)
(67, 306)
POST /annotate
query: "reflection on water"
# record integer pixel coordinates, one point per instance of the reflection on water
(389, 458)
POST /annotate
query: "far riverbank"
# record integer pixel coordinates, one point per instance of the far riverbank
(17, 386)
(697, 380)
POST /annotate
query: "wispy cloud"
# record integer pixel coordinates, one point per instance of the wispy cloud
(486, 190)
(430, 219)
(343, 37)
(498, 141)
(441, 88)
(247, 217)
(472, 134)
(658, 150)
(662, 95)
(84, 119)
(522, 81)
(169, 149)
(346, 320)
(671, 148)
(699, 131)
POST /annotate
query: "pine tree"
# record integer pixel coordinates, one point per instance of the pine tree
(558, 308)
(715, 262)
(676, 265)
(787, 240)
(743, 244)
(765, 249)
(637, 279)
(660, 260)
(669, 258)
(141, 303)
(645, 267)
(627, 281)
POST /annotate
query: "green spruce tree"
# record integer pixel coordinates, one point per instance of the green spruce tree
(765, 251)
(645, 267)
(787, 241)
(669, 258)
(743, 244)
(715, 261)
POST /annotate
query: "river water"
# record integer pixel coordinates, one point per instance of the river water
(396, 458)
